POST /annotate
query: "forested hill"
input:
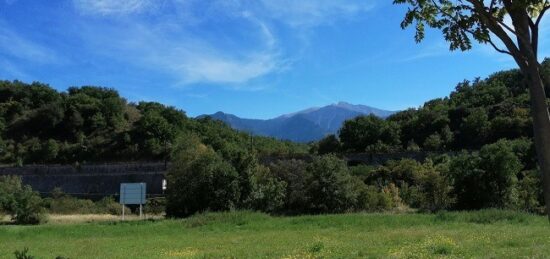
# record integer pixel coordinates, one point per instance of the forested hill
(93, 124)
(476, 113)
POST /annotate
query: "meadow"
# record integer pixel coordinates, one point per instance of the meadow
(242, 234)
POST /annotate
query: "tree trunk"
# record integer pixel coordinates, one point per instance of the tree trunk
(541, 127)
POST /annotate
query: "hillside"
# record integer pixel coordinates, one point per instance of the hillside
(39, 124)
(303, 126)
(476, 113)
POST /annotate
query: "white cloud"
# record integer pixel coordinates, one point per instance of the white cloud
(176, 44)
(113, 7)
(186, 56)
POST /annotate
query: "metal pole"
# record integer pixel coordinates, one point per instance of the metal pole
(140, 210)
(122, 211)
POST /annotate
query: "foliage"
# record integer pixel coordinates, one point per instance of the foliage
(329, 144)
(61, 203)
(476, 113)
(293, 173)
(200, 180)
(369, 133)
(268, 192)
(486, 179)
(94, 124)
(329, 186)
(21, 202)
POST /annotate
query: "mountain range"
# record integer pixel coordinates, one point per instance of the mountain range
(303, 126)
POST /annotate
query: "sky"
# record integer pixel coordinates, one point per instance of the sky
(251, 58)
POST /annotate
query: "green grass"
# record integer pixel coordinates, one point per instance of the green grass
(483, 234)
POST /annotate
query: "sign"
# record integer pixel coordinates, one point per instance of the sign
(132, 193)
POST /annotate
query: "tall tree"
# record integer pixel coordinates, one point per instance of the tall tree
(486, 21)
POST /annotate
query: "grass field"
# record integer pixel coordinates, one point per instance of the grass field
(483, 234)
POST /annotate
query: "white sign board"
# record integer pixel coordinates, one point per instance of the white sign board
(132, 193)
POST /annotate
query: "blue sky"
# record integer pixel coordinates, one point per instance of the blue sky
(252, 58)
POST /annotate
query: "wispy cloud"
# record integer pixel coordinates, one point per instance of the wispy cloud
(314, 12)
(186, 56)
(16, 49)
(11, 70)
(172, 44)
(111, 7)
(15, 45)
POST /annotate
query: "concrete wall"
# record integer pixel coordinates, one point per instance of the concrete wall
(90, 181)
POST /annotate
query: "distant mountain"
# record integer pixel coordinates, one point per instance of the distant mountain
(302, 126)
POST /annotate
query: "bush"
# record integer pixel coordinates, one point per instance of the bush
(66, 204)
(530, 192)
(370, 198)
(61, 203)
(21, 202)
(420, 185)
(268, 192)
(200, 180)
(487, 179)
(109, 205)
(329, 186)
(293, 173)
(155, 206)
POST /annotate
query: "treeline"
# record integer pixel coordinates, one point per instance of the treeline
(477, 113)
(94, 124)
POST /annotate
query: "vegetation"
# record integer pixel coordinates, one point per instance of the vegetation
(476, 113)
(94, 124)
(20, 202)
(485, 22)
(479, 144)
(481, 234)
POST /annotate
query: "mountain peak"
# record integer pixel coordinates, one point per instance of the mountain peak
(342, 103)
(306, 125)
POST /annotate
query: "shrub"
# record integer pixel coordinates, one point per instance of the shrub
(293, 173)
(61, 203)
(109, 205)
(268, 192)
(21, 202)
(200, 180)
(530, 192)
(155, 206)
(370, 198)
(420, 185)
(486, 179)
(66, 204)
(329, 186)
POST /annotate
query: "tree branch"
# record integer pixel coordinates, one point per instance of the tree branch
(495, 28)
(505, 26)
(497, 48)
(541, 14)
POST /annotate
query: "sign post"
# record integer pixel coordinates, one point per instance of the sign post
(133, 193)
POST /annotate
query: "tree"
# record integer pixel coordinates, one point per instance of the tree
(465, 21)
(329, 144)
(368, 133)
(329, 185)
(486, 179)
(200, 180)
